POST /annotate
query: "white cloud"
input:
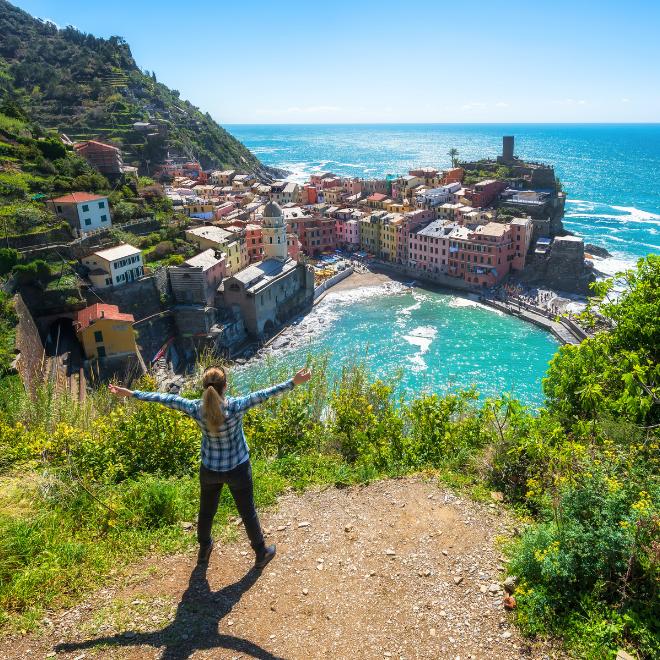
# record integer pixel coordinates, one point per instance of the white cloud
(625, 100)
(501, 104)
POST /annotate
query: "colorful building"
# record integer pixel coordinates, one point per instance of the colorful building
(106, 158)
(85, 212)
(105, 332)
(254, 242)
(482, 256)
(114, 266)
(429, 247)
(195, 281)
(521, 234)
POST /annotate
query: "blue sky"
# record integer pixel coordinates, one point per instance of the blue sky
(391, 61)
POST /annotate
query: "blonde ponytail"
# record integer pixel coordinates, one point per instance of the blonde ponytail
(214, 382)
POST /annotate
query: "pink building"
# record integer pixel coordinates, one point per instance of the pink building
(224, 209)
(521, 234)
(352, 186)
(348, 232)
(294, 248)
(428, 248)
(483, 256)
(412, 221)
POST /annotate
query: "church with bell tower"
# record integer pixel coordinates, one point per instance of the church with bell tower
(273, 230)
(270, 292)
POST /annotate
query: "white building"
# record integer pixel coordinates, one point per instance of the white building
(433, 197)
(83, 211)
(115, 266)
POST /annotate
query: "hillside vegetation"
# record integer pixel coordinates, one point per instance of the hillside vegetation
(89, 87)
(89, 487)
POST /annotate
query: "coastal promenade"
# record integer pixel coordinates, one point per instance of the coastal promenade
(561, 330)
(565, 330)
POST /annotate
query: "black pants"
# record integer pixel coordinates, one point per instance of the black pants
(240, 485)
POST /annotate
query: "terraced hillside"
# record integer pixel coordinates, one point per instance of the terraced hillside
(88, 87)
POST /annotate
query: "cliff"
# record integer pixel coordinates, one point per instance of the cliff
(90, 88)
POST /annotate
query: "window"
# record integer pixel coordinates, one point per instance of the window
(104, 218)
(101, 205)
(100, 351)
(59, 209)
(85, 208)
(108, 281)
(98, 336)
(88, 221)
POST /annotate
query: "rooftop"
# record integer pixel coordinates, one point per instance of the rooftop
(436, 229)
(211, 233)
(491, 229)
(78, 197)
(259, 275)
(118, 252)
(203, 260)
(85, 317)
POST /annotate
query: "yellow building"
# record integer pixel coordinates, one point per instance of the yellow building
(229, 243)
(104, 331)
(389, 237)
(370, 234)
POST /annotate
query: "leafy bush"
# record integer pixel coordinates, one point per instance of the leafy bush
(34, 272)
(602, 547)
(8, 259)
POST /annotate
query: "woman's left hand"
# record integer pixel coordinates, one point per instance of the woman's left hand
(120, 391)
(302, 376)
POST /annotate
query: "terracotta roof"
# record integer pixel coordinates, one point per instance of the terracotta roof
(82, 145)
(77, 197)
(376, 197)
(85, 317)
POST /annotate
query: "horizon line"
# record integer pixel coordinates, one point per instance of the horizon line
(445, 123)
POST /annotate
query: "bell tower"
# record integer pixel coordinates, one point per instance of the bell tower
(274, 232)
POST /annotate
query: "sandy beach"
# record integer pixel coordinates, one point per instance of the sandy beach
(358, 280)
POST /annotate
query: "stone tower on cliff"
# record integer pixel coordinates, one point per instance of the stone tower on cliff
(274, 233)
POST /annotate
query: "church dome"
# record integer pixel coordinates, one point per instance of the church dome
(272, 210)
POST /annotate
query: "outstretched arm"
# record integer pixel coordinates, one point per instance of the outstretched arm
(188, 406)
(243, 403)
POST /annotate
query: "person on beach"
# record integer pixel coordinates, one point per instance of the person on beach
(224, 452)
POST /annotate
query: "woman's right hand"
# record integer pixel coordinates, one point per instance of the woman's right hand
(302, 376)
(120, 391)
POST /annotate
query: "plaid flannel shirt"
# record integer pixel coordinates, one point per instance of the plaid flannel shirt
(227, 448)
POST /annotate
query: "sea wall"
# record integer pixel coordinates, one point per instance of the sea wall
(439, 279)
(331, 281)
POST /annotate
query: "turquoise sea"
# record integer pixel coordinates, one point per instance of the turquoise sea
(611, 174)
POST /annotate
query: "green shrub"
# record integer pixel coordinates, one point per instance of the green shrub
(34, 272)
(8, 259)
(601, 546)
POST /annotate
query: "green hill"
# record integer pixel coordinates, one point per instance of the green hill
(87, 87)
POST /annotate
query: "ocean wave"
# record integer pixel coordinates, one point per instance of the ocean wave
(644, 215)
(422, 337)
(458, 302)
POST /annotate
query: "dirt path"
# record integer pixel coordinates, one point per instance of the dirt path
(397, 569)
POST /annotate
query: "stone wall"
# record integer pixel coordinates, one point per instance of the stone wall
(29, 346)
(563, 268)
(58, 235)
(141, 298)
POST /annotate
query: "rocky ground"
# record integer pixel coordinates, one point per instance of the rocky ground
(397, 569)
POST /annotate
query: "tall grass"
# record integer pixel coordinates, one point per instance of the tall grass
(109, 480)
